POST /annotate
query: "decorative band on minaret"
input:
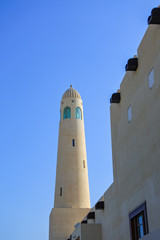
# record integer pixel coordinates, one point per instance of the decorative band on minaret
(72, 199)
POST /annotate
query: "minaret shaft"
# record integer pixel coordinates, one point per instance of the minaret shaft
(72, 188)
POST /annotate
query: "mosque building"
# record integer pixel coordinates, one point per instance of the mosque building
(130, 207)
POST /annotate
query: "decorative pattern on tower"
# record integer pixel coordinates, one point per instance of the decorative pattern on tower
(71, 92)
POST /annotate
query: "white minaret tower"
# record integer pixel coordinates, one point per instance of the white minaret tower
(72, 200)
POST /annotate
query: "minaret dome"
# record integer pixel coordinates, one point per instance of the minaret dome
(71, 92)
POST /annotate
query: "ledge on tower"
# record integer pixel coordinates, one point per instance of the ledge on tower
(115, 98)
(99, 205)
(154, 18)
(132, 64)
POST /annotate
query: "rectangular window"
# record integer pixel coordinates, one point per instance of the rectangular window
(151, 78)
(73, 142)
(138, 222)
(61, 191)
(84, 164)
(129, 113)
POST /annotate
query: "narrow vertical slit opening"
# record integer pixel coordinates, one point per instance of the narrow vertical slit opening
(84, 165)
(61, 191)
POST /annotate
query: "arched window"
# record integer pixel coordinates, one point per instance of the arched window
(67, 113)
(78, 113)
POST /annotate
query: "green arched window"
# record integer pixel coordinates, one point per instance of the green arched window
(78, 113)
(67, 113)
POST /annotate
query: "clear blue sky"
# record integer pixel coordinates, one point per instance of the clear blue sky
(44, 47)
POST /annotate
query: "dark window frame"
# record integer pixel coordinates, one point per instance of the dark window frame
(133, 216)
(60, 192)
(73, 142)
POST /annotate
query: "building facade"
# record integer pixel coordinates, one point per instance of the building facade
(130, 208)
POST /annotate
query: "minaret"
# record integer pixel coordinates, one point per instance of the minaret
(72, 200)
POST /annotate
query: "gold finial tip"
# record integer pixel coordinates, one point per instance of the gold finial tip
(70, 85)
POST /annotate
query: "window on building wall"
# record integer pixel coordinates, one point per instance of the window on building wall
(73, 142)
(60, 191)
(84, 165)
(151, 78)
(138, 222)
(78, 113)
(67, 113)
(129, 113)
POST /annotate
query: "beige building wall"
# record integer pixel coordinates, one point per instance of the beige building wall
(135, 129)
(63, 220)
(135, 146)
(87, 232)
(152, 236)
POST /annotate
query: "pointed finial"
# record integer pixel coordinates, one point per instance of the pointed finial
(70, 85)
